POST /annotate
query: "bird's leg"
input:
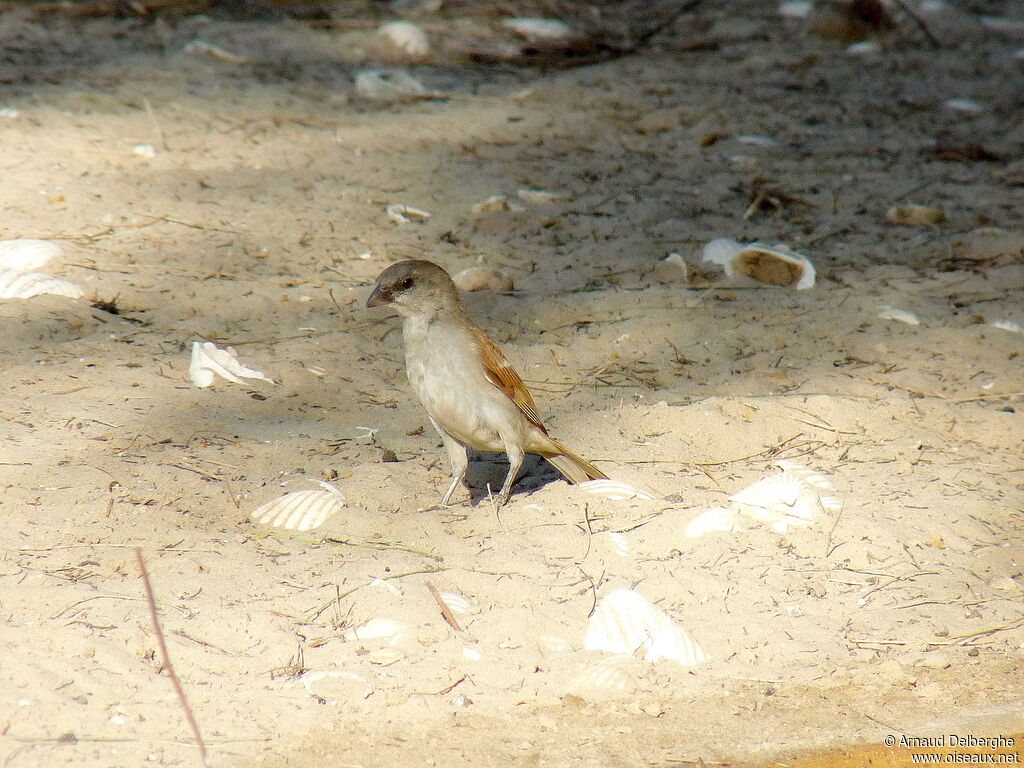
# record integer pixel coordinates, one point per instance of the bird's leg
(459, 459)
(515, 461)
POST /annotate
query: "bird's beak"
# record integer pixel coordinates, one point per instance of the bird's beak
(379, 298)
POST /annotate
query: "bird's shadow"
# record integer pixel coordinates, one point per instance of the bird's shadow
(488, 469)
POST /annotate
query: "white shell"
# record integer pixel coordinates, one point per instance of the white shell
(407, 36)
(25, 255)
(334, 684)
(863, 48)
(458, 604)
(615, 490)
(891, 313)
(1008, 325)
(15, 284)
(714, 520)
(483, 279)
(793, 498)
(388, 630)
(406, 214)
(610, 674)
(755, 140)
(617, 542)
(627, 623)
(387, 84)
(300, 510)
(773, 264)
(963, 105)
(144, 150)
(796, 9)
(541, 196)
(914, 215)
(538, 29)
(209, 360)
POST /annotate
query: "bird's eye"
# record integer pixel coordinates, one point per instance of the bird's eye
(406, 284)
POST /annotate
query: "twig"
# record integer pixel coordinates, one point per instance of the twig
(656, 30)
(920, 23)
(166, 659)
(446, 612)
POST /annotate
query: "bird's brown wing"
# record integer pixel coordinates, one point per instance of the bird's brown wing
(502, 375)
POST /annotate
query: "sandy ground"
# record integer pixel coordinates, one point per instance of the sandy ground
(259, 223)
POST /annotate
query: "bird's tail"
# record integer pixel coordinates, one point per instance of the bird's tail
(574, 468)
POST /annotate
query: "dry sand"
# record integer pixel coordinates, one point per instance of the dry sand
(259, 223)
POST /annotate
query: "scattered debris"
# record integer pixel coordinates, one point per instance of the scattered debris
(914, 215)
(541, 196)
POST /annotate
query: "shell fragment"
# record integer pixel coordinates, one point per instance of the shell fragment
(406, 214)
(209, 361)
(615, 490)
(772, 264)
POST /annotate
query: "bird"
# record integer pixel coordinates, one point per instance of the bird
(473, 396)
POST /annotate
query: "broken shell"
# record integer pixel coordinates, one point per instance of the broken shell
(406, 214)
(483, 279)
(15, 284)
(407, 36)
(714, 520)
(615, 490)
(202, 48)
(209, 360)
(891, 313)
(775, 265)
(914, 215)
(627, 623)
(300, 510)
(1008, 325)
(538, 29)
(387, 84)
(541, 196)
(24, 255)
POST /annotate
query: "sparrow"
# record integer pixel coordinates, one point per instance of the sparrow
(473, 396)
